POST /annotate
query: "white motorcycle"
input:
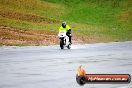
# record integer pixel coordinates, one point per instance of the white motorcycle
(64, 40)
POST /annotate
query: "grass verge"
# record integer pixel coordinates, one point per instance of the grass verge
(91, 21)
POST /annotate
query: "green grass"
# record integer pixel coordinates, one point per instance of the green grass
(36, 7)
(89, 18)
(28, 25)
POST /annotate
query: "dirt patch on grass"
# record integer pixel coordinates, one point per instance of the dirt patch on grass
(125, 16)
(26, 17)
(82, 39)
(14, 36)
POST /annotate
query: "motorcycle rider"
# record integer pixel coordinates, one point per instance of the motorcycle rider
(67, 29)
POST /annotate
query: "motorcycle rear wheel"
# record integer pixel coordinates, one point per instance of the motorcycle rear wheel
(69, 47)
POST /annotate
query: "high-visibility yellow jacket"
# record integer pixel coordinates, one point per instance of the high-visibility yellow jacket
(64, 29)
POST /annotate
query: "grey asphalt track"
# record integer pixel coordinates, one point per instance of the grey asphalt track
(51, 67)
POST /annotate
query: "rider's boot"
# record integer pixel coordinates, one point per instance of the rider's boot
(70, 40)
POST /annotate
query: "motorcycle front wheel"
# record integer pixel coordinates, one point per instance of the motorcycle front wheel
(61, 44)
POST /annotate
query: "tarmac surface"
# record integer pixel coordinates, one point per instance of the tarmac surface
(51, 67)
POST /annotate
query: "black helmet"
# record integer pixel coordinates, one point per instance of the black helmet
(64, 24)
